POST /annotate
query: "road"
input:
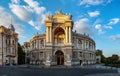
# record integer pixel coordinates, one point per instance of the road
(25, 71)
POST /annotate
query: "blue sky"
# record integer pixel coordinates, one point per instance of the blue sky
(98, 18)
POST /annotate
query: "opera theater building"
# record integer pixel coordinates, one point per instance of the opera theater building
(59, 45)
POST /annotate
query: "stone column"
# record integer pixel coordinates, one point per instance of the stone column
(50, 35)
(66, 34)
(46, 34)
(44, 43)
(77, 43)
(92, 47)
(39, 44)
(43, 55)
(69, 34)
(88, 45)
(84, 44)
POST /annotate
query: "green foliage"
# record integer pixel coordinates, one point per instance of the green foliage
(99, 53)
(115, 57)
(21, 55)
(113, 61)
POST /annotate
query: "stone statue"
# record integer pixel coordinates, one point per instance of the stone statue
(48, 58)
(59, 12)
(49, 17)
(68, 57)
(69, 17)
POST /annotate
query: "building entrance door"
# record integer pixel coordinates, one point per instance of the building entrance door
(60, 57)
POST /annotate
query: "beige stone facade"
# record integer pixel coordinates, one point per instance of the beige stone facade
(59, 45)
(8, 45)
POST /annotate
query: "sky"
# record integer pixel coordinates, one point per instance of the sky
(98, 18)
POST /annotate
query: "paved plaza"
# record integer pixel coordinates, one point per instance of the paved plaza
(56, 71)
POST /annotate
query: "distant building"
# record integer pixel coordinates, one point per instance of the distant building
(59, 45)
(8, 45)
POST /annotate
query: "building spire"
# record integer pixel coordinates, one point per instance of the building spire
(11, 19)
(11, 27)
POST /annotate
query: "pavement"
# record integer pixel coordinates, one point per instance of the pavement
(105, 74)
(33, 70)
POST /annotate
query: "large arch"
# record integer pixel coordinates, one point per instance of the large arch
(59, 35)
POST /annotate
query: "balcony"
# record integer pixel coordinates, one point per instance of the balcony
(58, 44)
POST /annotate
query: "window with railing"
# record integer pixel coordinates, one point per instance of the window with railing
(59, 40)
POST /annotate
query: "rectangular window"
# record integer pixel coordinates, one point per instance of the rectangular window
(6, 41)
(9, 41)
(74, 54)
(13, 42)
(80, 54)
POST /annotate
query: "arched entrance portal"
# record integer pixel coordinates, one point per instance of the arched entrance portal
(59, 57)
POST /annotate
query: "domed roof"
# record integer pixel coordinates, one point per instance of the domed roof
(11, 27)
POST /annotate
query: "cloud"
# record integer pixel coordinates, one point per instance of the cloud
(115, 37)
(99, 28)
(31, 13)
(109, 25)
(94, 2)
(35, 6)
(94, 14)
(5, 20)
(35, 24)
(15, 1)
(114, 21)
(82, 26)
(21, 12)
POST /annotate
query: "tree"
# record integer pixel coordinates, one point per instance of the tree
(99, 53)
(115, 57)
(108, 60)
(113, 61)
(21, 55)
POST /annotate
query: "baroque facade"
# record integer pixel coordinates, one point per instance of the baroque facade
(59, 45)
(8, 45)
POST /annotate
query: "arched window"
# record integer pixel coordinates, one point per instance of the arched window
(90, 46)
(79, 44)
(13, 42)
(42, 43)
